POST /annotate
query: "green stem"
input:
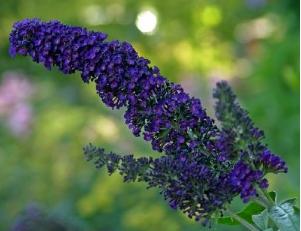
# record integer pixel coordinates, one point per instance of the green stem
(268, 196)
(259, 200)
(242, 221)
(265, 198)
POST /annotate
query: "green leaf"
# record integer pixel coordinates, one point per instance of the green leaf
(291, 201)
(269, 229)
(284, 216)
(246, 214)
(297, 210)
(273, 195)
(261, 219)
(227, 221)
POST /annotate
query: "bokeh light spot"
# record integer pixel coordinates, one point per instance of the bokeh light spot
(94, 15)
(106, 128)
(147, 21)
(211, 16)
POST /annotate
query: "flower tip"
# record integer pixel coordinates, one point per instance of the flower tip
(12, 52)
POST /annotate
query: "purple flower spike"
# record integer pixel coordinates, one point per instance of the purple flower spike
(272, 163)
(123, 79)
(202, 167)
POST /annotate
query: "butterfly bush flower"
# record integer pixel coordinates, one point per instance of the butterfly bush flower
(202, 167)
(33, 217)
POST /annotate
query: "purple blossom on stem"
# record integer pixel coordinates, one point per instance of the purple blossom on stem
(123, 79)
(243, 178)
(204, 167)
(272, 163)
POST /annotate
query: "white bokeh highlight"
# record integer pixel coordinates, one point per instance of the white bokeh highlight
(147, 21)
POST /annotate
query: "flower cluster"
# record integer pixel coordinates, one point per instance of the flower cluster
(254, 158)
(204, 167)
(185, 182)
(272, 163)
(233, 118)
(243, 177)
(122, 79)
(130, 168)
(33, 217)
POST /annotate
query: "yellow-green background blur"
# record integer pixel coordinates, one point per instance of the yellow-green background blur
(254, 44)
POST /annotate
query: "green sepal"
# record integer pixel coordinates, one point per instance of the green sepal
(273, 196)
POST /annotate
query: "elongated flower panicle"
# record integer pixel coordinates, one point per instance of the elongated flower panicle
(255, 159)
(123, 79)
(247, 138)
(203, 167)
(185, 182)
(271, 162)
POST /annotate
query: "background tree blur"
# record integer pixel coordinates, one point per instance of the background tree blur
(46, 118)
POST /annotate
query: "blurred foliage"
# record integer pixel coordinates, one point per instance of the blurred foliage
(254, 44)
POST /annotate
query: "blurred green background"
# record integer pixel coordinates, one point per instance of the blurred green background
(46, 118)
